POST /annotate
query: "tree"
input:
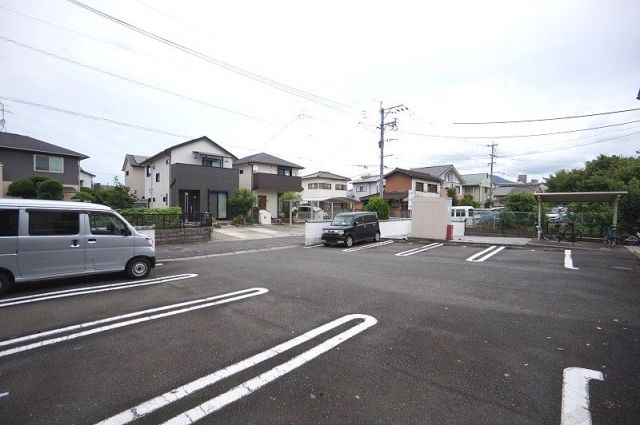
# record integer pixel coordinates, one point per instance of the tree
(467, 200)
(50, 189)
(286, 204)
(242, 202)
(379, 206)
(85, 195)
(605, 173)
(23, 188)
(520, 202)
(117, 197)
(451, 193)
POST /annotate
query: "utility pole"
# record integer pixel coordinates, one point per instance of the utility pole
(393, 125)
(493, 155)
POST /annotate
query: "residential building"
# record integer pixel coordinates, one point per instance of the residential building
(23, 156)
(500, 192)
(86, 179)
(134, 174)
(450, 177)
(196, 175)
(327, 191)
(269, 177)
(478, 185)
(402, 186)
(363, 186)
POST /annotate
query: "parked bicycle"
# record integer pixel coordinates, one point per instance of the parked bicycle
(567, 232)
(614, 238)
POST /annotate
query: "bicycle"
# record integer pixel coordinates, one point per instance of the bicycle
(569, 233)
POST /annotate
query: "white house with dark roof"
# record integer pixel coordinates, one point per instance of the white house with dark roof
(23, 156)
(451, 178)
(363, 186)
(134, 173)
(269, 177)
(323, 185)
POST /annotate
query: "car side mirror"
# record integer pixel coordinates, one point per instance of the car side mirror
(355, 223)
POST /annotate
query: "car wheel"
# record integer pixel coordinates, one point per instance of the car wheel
(325, 244)
(138, 268)
(376, 238)
(5, 283)
(349, 241)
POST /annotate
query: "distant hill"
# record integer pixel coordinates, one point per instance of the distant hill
(500, 180)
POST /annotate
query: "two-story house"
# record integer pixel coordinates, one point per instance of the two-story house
(134, 174)
(269, 177)
(363, 186)
(327, 191)
(23, 156)
(450, 177)
(86, 179)
(402, 186)
(197, 175)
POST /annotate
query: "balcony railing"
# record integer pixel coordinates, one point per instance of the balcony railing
(266, 181)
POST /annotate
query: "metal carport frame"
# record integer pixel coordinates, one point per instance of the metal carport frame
(612, 197)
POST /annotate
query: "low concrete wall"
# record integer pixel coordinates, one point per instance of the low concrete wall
(458, 228)
(186, 235)
(430, 217)
(389, 229)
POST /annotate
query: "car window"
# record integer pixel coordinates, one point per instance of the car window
(106, 224)
(8, 223)
(52, 223)
(342, 220)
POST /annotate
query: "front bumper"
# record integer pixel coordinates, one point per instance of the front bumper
(333, 239)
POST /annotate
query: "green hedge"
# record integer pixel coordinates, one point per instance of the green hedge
(162, 218)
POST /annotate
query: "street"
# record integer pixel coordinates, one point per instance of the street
(438, 334)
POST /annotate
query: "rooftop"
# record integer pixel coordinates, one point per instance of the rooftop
(414, 174)
(265, 158)
(26, 143)
(325, 175)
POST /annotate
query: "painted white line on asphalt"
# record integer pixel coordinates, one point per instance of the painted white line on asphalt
(159, 264)
(371, 245)
(176, 394)
(487, 253)
(419, 250)
(4, 395)
(92, 290)
(201, 303)
(575, 395)
(568, 260)
(226, 254)
(313, 246)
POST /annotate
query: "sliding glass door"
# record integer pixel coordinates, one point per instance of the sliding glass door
(218, 205)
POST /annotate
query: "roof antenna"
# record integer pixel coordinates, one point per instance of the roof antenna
(2, 120)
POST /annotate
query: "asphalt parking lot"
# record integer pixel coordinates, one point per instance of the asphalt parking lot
(437, 334)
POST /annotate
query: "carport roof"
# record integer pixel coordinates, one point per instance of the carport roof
(579, 196)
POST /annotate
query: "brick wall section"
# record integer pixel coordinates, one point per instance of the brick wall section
(186, 235)
(398, 183)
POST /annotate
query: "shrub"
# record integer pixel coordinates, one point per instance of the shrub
(23, 188)
(242, 202)
(467, 200)
(286, 204)
(451, 193)
(50, 189)
(379, 206)
(520, 202)
(163, 218)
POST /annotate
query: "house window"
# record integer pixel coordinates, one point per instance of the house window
(241, 171)
(313, 185)
(157, 177)
(126, 173)
(212, 161)
(164, 199)
(50, 164)
(148, 170)
(153, 199)
(326, 186)
(361, 189)
(167, 161)
(419, 187)
(432, 188)
(341, 187)
(285, 171)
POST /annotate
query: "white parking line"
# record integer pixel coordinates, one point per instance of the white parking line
(4, 395)
(313, 246)
(249, 386)
(488, 253)
(419, 249)
(92, 290)
(568, 260)
(371, 245)
(575, 395)
(201, 303)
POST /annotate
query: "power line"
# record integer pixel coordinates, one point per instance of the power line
(545, 119)
(93, 117)
(131, 80)
(326, 102)
(520, 135)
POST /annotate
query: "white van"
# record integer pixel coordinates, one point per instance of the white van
(464, 213)
(52, 239)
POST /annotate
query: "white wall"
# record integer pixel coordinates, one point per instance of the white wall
(159, 189)
(185, 155)
(272, 201)
(135, 180)
(319, 194)
(245, 177)
(389, 229)
(271, 169)
(430, 217)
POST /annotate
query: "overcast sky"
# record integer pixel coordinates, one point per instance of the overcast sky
(448, 62)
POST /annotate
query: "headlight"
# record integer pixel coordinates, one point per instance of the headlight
(339, 232)
(149, 241)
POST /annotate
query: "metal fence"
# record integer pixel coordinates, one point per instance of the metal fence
(509, 223)
(170, 221)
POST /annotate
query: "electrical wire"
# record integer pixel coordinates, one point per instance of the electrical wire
(520, 135)
(547, 119)
(131, 80)
(323, 101)
(93, 117)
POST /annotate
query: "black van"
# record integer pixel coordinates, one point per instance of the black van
(348, 228)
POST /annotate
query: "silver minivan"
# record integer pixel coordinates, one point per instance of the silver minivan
(52, 239)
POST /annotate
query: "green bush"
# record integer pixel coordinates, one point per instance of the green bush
(451, 193)
(286, 204)
(520, 202)
(242, 202)
(379, 206)
(467, 200)
(23, 188)
(50, 189)
(162, 218)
